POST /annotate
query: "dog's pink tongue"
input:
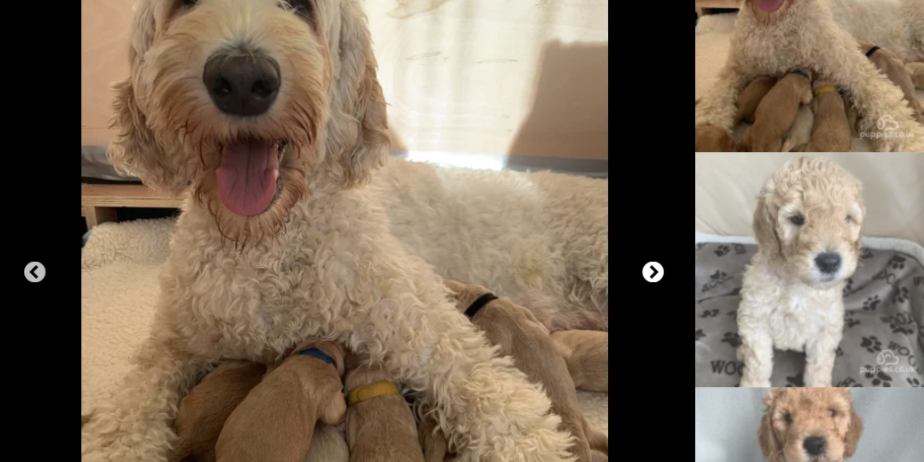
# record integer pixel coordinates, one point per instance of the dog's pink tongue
(246, 177)
(769, 6)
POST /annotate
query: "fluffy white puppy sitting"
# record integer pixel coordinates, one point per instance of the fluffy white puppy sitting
(807, 225)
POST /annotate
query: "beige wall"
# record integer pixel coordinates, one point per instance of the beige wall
(727, 185)
(524, 77)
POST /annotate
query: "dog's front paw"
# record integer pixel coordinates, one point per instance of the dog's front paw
(755, 383)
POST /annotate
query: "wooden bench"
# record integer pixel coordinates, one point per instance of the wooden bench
(100, 201)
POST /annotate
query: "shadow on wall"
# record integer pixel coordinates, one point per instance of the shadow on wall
(569, 113)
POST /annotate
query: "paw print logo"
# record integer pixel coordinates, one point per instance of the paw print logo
(897, 328)
(865, 253)
(901, 295)
(709, 314)
(839, 352)
(915, 383)
(871, 343)
(716, 279)
(870, 303)
(732, 338)
(897, 262)
(732, 313)
(849, 287)
(722, 250)
(852, 322)
(739, 249)
(796, 381)
(879, 378)
(700, 245)
(918, 280)
(699, 334)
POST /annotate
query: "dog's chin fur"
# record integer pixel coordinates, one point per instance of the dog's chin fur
(291, 186)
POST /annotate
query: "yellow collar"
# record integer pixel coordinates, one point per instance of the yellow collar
(371, 391)
(824, 89)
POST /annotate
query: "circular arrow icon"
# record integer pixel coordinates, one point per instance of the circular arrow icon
(35, 272)
(652, 271)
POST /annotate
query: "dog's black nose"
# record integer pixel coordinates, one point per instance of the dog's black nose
(828, 262)
(242, 83)
(814, 445)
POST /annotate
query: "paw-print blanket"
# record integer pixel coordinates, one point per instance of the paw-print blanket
(883, 344)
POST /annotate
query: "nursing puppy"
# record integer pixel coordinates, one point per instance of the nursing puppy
(327, 445)
(380, 425)
(587, 355)
(713, 139)
(204, 410)
(831, 132)
(777, 111)
(751, 97)
(917, 74)
(277, 419)
(520, 335)
(893, 67)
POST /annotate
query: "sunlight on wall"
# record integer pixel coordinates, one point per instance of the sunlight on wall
(460, 160)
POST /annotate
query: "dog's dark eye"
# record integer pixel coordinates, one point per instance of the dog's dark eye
(788, 418)
(302, 7)
(833, 413)
(797, 220)
(849, 219)
(190, 2)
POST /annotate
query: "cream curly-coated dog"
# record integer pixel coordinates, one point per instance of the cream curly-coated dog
(809, 425)
(271, 115)
(807, 225)
(772, 37)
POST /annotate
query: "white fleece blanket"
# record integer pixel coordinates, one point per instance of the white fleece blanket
(119, 288)
(713, 39)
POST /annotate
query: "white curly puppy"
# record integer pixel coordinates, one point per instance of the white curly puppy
(807, 224)
(773, 37)
(270, 113)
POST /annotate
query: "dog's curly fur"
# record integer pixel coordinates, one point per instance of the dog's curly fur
(787, 302)
(803, 33)
(347, 251)
(794, 414)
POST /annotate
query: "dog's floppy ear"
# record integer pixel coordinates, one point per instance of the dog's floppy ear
(357, 139)
(769, 445)
(135, 150)
(764, 225)
(854, 430)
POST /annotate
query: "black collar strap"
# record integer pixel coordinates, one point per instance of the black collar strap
(478, 304)
(871, 51)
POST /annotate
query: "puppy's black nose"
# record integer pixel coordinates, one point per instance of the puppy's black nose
(828, 262)
(814, 445)
(242, 83)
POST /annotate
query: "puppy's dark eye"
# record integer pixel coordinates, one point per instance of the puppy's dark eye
(302, 7)
(833, 413)
(849, 219)
(190, 2)
(788, 418)
(797, 220)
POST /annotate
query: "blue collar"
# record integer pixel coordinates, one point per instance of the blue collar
(800, 73)
(318, 354)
